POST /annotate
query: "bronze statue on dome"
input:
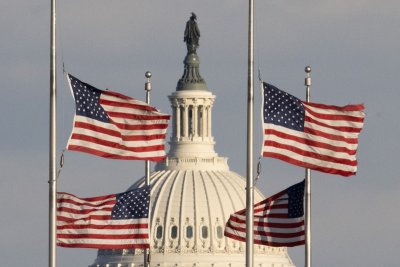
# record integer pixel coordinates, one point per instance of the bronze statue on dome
(192, 34)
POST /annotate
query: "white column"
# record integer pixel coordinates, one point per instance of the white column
(185, 120)
(178, 121)
(173, 121)
(209, 121)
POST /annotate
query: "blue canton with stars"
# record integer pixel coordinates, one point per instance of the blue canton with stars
(132, 204)
(87, 100)
(283, 109)
(296, 200)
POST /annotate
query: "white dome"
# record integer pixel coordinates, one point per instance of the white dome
(193, 193)
(189, 209)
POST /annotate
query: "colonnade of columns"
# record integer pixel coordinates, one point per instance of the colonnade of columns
(191, 118)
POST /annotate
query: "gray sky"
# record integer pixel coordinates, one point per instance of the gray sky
(352, 47)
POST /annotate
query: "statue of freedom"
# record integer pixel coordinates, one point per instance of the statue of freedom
(192, 34)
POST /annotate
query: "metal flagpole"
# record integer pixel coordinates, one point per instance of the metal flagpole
(52, 139)
(308, 185)
(250, 115)
(147, 88)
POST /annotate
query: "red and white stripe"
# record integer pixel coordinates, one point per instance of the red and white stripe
(87, 223)
(329, 141)
(136, 131)
(272, 226)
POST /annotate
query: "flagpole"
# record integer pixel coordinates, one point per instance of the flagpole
(52, 139)
(250, 118)
(147, 88)
(308, 184)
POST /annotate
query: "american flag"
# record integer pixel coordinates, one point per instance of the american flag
(112, 125)
(278, 220)
(116, 221)
(310, 135)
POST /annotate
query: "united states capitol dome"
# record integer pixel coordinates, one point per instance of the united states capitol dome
(193, 193)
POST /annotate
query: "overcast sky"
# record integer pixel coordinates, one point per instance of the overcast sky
(352, 47)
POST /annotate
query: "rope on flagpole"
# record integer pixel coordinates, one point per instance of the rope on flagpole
(259, 158)
(61, 163)
(258, 171)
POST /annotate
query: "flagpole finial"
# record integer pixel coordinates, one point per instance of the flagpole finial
(148, 74)
(308, 79)
(147, 86)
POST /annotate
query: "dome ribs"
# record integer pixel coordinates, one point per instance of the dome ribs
(209, 199)
(223, 198)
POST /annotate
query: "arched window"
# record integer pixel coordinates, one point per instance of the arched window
(200, 121)
(189, 231)
(159, 231)
(191, 121)
(204, 231)
(220, 232)
(182, 121)
(174, 231)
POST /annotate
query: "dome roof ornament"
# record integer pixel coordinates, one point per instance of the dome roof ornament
(191, 78)
(192, 34)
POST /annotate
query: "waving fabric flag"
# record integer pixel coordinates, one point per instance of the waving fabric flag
(278, 220)
(316, 136)
(117, 221)
(112, 125)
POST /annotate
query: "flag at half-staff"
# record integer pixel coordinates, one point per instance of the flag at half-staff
(278, 220)
(117, 221)
(310, 135)
(112, 125)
